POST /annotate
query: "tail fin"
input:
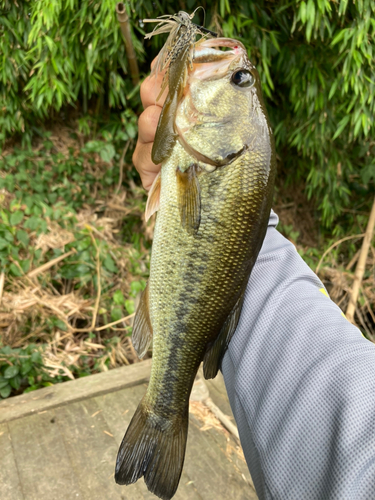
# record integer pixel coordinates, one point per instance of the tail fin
(153, 447)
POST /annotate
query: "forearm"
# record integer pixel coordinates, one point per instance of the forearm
(300, 379)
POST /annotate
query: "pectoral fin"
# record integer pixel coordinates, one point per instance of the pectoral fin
(215, 353)
(153, 200)
(142, 328)
(189, 199)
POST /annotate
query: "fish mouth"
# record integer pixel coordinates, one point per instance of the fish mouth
(211, 62)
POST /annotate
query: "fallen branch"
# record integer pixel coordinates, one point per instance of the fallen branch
(98, 284)
(48, 265)
(354, 236)
(2, 279)
(360, 269)
(222, 417)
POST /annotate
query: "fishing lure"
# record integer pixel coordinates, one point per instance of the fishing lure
(182, 33)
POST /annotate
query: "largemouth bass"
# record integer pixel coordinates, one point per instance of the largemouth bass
(213, 199)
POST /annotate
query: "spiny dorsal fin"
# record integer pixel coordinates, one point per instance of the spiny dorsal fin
(215, 353)
(189, 199)
(142, 328)
(153, 200)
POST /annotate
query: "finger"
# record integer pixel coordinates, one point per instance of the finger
(143, 163)
(150, 90)
(154, 62)
(147, 123)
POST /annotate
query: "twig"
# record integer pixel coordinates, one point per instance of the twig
(123, 19)
(2, 280)
(222, 417)
(121, 166)
(360, 269)
(368, 305)
(98, 329)
(98, 284)
(49, 264)
(132, 350)
(113, 323)
(361, 319)
(355, 236)
(119, 208)
(353, 261)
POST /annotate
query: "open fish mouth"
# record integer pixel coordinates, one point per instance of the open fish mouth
(210, 61)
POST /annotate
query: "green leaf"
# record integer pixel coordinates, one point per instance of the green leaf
(11, 371)
(36, 357)
(118, 297)
(129, 304)
(26, 366)
(342, 124)
(16, 218)
(15, 270)
(116, 313)
(3, 243)
(107, 153)
(110, 265)
(5, 391)
(15, 382)
(3, 382)
(60, 324)
(135, 288)
(22, 236)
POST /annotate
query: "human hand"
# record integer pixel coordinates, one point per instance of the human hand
(147, 124)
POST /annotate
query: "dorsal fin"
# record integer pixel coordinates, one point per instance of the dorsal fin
(189, 199)
(215, 353)
(153, 200)
(142, 328)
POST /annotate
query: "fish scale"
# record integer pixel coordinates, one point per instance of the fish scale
(213, 199)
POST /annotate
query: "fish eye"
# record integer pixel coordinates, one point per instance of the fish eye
(243, 78)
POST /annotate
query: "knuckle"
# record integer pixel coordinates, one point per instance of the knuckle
(136, 156)
(150, 116)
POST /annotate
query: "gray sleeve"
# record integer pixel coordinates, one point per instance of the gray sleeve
(301, 383)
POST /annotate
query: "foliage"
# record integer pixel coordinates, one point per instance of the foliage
(59, 53)
(55, 201)
(21, 370)
(316, 60)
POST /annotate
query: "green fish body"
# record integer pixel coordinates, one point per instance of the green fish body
(213, 199)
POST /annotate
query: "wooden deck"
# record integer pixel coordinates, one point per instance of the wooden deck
(61, 442)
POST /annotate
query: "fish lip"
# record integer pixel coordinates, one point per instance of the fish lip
(210, 63)
(222, 42)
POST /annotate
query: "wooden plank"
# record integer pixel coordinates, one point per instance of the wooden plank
(92, 449)
(73, 391)
(214, 469)
(9, 479)
(43, 465)
(218, 394)
(118, 409)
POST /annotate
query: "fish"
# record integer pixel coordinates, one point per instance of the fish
(213, 199)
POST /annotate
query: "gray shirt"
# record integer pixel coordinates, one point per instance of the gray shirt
(301, 383)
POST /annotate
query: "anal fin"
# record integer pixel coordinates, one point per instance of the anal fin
(142, 328)
(215, 353)
(189, 199)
